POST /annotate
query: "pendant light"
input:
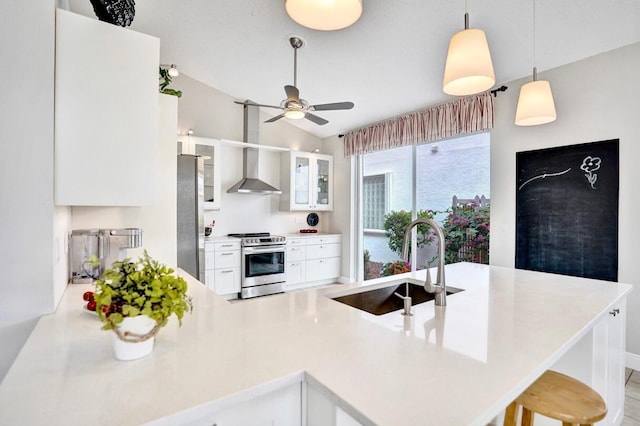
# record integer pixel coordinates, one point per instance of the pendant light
(324, 15)
(468, 69)
(535, 104)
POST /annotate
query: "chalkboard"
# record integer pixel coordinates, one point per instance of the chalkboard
(567, 210)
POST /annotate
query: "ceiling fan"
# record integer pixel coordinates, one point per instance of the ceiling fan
(294, 106)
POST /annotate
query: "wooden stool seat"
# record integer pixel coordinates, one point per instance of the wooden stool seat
(559, 397)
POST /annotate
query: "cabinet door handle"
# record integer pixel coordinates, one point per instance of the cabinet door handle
(226, 245)
(227, 271)
(227, 254)
(615, 312)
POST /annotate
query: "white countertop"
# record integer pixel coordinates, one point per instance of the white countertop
(456, 365)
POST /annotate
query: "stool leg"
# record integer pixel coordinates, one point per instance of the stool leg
(511, 415)
(527, 417)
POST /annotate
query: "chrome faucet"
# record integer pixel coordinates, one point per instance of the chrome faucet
(439, 288)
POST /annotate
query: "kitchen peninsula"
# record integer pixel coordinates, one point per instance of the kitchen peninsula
(459, 365)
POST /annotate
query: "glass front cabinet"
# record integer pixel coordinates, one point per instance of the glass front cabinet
(209, 150)
(306, 181)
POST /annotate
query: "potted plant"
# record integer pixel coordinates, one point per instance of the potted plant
(165, 81)
(135, 300)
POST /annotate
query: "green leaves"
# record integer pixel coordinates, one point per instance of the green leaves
(145, 287)
(395, 224)
(165, 80)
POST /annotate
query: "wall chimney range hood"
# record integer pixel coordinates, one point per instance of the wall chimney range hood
(250, 182)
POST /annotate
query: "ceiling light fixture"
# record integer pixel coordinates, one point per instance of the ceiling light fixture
(468, 69)
(324, 15)
(173, 69)
(535, 103)
(294, 114)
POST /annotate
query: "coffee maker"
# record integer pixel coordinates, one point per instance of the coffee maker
(94, 250)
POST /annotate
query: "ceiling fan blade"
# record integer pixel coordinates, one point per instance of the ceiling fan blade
(259, 105)
(277, 117)
(293, 94)
(333, 106)
(318, 120)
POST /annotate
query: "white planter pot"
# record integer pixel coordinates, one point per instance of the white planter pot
(128, 343)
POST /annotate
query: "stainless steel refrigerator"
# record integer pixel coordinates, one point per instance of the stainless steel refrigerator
(190, 210)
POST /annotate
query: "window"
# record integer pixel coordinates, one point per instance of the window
(426, 178)
(375, 190)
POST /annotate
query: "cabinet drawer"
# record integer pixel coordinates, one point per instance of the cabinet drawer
(227, 281)
(227, 259)
(327, 239)
(227, 245)
(323, 269)
(295, 242)
(209, 260)
(321, 251)
(295, 253)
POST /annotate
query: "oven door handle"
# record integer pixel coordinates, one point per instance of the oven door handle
(271, 249)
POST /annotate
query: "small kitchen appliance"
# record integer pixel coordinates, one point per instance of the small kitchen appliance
(85, 252)
(116, 241)
(263, 264)
(91, 251)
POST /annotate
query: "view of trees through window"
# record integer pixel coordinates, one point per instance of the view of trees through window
(443, 170)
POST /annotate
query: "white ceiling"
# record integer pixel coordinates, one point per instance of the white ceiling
(388, 63)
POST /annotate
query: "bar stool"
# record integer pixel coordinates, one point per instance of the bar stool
(559, 397)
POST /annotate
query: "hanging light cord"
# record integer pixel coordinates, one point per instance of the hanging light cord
(466, 14)
(534, 32)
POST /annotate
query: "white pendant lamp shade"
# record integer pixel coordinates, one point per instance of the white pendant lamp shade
(325, 15)
(469, 69)
(535, 104)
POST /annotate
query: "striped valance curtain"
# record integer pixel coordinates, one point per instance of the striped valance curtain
(464, 115)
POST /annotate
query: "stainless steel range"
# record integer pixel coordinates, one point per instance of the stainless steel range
(263, 262)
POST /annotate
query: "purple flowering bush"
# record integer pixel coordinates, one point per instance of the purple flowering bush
(466, 230)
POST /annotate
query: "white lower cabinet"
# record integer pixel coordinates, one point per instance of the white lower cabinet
(282, 407)
(222, 267)
(312, 260)
(597, 360)
(323, 408)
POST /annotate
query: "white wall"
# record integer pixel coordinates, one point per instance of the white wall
(211, 113)
(158, 220)
(28, 221)
(596, 99)
(344, 207)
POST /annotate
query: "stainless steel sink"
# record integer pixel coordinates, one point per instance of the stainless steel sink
(383, 300)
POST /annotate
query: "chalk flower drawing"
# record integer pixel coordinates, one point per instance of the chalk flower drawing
(590, 165)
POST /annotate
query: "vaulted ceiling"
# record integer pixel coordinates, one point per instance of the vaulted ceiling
(388, 63)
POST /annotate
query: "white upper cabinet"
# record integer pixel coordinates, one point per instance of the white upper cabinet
(209, 150)
(106, 113)
(306, 181)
